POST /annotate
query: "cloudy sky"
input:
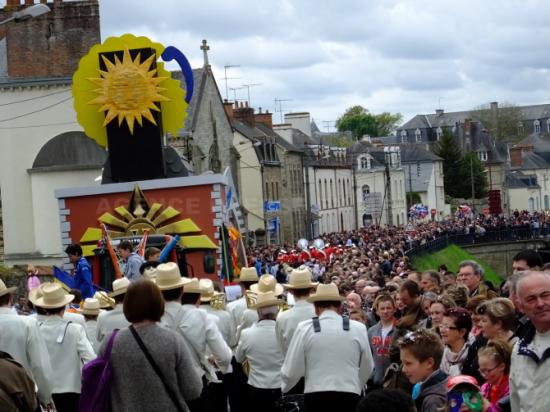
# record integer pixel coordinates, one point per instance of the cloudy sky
(324, 56)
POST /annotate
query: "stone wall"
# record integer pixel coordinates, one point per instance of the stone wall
(51, 45)
(499, 255)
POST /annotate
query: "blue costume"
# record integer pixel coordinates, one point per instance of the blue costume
(81, 280)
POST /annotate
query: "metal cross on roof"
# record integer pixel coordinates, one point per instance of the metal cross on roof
(205, 47)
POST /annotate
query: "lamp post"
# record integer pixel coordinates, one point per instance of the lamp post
(27, 13)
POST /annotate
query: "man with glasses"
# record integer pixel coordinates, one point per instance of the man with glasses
(470, 274)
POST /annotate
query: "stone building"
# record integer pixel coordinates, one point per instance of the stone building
(37, 61)
(327, 173)
(205, 141)
(380, 193)
(259, 174)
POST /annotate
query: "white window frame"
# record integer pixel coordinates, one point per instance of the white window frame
(404, 136)
(439, 132)
(418, 135)
(536, 125)
(547, 125)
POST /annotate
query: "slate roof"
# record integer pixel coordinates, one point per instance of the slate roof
(257, 133)
(532, 161)
(416, 153)
(518, 180)
(535, 111)
(199, 76)
(530, 112)
(540, 142)
(69, 151)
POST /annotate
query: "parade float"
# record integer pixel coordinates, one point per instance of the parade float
(126, 101)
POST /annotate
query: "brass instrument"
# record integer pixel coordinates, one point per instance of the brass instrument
(246, 366)
(218, 301)
(250, 298)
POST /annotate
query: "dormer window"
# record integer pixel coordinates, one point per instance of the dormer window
(536, 124)
(404, 136)
(365, 162)
(418, 135)
(439, 132)
(482, 156)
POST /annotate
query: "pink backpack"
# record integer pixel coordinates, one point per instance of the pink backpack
(97, 379)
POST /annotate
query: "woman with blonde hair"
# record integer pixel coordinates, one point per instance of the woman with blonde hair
(497, 319)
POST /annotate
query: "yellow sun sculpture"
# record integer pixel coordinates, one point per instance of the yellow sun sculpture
(127, 89)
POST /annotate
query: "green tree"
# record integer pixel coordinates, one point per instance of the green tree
(502, 121)
(359, 121)
(449, 151)
(472, 167)
(339, 141)
(387, 123)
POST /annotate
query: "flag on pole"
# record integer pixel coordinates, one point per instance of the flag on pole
(227, 264)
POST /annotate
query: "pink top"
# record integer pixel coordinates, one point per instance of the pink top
(494, 393)
(32, 282)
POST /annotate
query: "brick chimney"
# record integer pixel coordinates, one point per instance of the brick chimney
(244, 114)
(515, 157)
(439, 112)
(467, 126)
(228, 108)
(516, 153)
(265, 118)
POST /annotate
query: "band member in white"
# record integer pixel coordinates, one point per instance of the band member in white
(259, 345)
(301, 287)
(339, 358)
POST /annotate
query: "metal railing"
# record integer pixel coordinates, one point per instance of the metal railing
(463, 239)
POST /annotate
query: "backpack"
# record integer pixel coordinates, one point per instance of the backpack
(97, 379)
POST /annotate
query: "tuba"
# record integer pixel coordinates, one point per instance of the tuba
(218, 301)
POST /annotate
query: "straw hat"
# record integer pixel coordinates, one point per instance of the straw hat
(326, 293)
(267, 283)
(168, 276)
(248, 275)
(120, 286)
(264, 300)
(207, 290)
(191, 285)
(53, 296)
(90, 307)
(4, 290)
(300, 279)
(150, 273)
(35, 294)
(104, 300)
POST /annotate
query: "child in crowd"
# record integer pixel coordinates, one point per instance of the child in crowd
(421, 352)
(494, 366)
(464, 395)
(380, 337)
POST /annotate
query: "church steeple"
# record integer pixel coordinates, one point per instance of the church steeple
(205, 47)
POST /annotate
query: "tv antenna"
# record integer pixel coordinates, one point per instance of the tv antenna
(248, 86)
(228, 66)
(279, 102)
(234, 89)
(328, 124)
